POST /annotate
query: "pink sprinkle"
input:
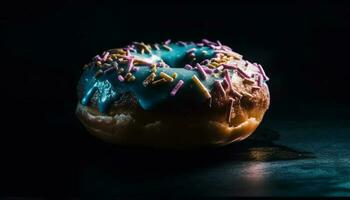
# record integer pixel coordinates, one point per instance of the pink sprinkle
(177, 87)
(220, 88)
(191, 50)
(205, 41)
(259, 79)
(105, 56)
(224, 84)
(167, 42)
(188, 67)
(120, 78)
(213, 46)
(201, 71)
(219, 43)
(262, 71)
(98, 58)
(130, 65)
(228, 78)
(182, 43)
(207, 70)
(227, 48)
(135, 69)
(242, 73)
(200, 44)
(227, 66)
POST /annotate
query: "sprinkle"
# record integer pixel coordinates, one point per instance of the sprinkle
(182, 43)
(166, 77)
(204, 52)
(109, 69)
(154, 69)
(131, 78)
(191, 50)
(254, 88)
(202, 88)
(220, 88)
(224, 84)
(200, 44)
(109, 59)
(188, 67)
(192, 55)
(143, 62)
(227, 48)
(174, 75)
(98, 58)
(227, 66)
(98, 63)
(149, 79)
(105, 56)
(205, 41)
(167, 47)
(107, 65)
(248, 81)
(130, 65)
(230, 110)
(156, 46)
(142, 51)
(177, 87)
(213, 46)
(219, 43)
(127, 76)
(229, 82)
(120, 78)
(201, 71)
(159, 81)
(246, 63)
(259, 79)
(262, 71)
(231, 53)
(242, 73)
(115, 64)
(207, 70)
(135, 69)
(167, 42)
(247, 94)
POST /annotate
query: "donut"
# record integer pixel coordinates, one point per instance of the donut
(172, 95)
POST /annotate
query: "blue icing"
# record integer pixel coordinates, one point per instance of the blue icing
(109, 88)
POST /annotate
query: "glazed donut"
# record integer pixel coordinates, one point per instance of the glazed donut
(172, 95)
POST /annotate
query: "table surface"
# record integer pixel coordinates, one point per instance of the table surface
(287, 159)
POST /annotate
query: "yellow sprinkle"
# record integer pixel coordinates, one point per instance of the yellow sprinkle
(109, 59)
(128, 75)
(166, 77)
(247, 94)
(149, 79)
(202, 88)
(159, 81)
(131, 78)
(142, 51)
(248, 81)
(98, 63)
(211, 66)
(154, 69)
(174, 75)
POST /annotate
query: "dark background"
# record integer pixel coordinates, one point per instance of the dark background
(303, 46)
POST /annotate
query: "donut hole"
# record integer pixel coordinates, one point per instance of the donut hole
(179, 60)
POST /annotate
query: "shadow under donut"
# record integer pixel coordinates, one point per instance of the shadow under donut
(124, 171)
